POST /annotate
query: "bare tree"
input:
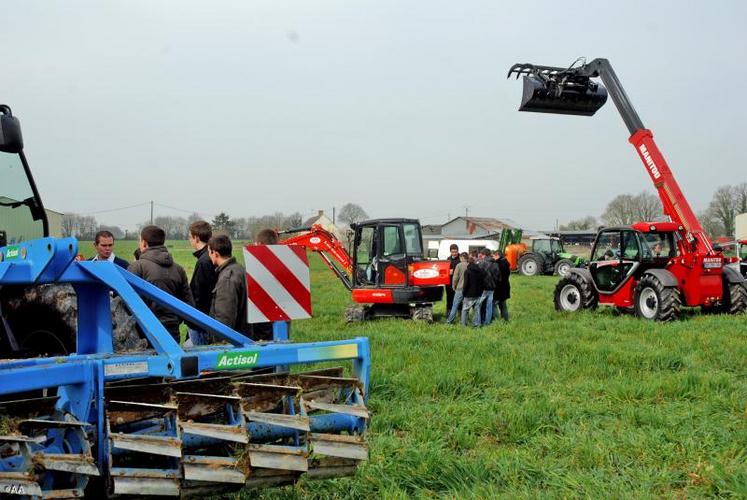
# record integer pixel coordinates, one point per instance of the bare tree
(115, 230)
(627, 209)
(723, 209)
(711, 225)
(588, 222)
(70, 224)
(351, 213)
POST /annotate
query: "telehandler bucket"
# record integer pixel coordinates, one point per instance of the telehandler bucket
(559, 91)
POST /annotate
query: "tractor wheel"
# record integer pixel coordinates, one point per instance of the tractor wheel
(654, 301)
(563, 267)
(735, 298)
(530, 265)
(422, 313)
(355, 313)
(573, 293)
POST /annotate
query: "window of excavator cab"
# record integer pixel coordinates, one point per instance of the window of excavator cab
(657, 245)
(413, 244)
(630, 249)
(17, 221)
(392, 241)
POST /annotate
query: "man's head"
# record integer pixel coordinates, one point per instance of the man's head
(464, 257)
(104, 244)
(151, 236)
(485, 253)
(454, 250)
(266, 237)
(200, 233)
(219, 249)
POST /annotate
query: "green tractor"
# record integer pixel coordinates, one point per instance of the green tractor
(548, 257)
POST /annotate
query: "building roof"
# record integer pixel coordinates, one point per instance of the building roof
(490, 224)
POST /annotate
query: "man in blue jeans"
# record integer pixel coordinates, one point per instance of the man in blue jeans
(457, 284)
(490, 278)
(472, 292)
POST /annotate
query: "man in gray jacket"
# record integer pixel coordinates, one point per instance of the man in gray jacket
(157, 267)
(457, 283)
(229, 300)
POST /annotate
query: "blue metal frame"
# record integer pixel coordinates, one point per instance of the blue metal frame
(81, 376)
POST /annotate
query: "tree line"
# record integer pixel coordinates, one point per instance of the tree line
(85, 227)
(625, 209)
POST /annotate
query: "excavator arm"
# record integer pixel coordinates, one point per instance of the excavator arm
(572, 90)
(333, 253)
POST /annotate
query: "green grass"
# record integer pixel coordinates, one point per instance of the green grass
(551, 405)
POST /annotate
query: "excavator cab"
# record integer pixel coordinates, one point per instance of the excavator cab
(382, 251)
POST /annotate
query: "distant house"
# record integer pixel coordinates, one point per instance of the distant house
(326, 223)
(474, 228)
(19, 226)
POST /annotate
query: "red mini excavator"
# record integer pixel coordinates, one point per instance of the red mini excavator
(386, 274)
(651, 268)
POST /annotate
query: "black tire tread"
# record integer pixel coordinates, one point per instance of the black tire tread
(589, 298)
(670, 301)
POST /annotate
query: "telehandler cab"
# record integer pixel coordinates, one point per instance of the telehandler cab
(653, 268)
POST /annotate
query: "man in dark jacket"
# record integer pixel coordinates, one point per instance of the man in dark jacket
(229, 299)
(453, 261)
(203, 276)
(503, 289)
(491, 277)
(473, 288)
(104, 244)
(157, 267)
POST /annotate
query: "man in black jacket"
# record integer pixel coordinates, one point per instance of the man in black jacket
(203, 276)
(229, 301)
(503, 289)
(473, 288)
(157, 267)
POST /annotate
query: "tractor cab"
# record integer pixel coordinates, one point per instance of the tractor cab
(22, 215)
(547, 247)
(621, 252)
(735, 255)
(382, 251)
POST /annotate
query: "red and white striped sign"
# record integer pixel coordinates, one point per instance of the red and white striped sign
(278, 283)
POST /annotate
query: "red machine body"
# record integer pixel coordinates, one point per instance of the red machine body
(650, 267)
(386, 274)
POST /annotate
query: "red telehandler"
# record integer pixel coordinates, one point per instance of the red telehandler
(387, 274)
(651, 268)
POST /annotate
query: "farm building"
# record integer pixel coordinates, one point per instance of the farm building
(326, 223)
(466, 228)
(741, 229)
(19, 226)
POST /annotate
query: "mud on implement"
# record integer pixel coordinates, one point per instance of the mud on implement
(167, 420)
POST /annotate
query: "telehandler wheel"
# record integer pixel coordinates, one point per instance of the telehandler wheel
(654, 301)
(530, 265)
(573, 293)
(563, 267)
(734, 298)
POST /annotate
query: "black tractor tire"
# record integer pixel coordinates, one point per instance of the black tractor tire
(573, 293)
(563, 267)
(656, 302)
(422, 313)
(355, 313)
(734, 299)
(44, 318)
(531, 264)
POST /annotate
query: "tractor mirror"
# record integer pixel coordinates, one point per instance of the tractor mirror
(582, 100)
(11, 140)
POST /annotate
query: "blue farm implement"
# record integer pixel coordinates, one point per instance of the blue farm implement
(86, 417)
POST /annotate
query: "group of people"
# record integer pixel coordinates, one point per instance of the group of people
(217, 287)
(480, 284)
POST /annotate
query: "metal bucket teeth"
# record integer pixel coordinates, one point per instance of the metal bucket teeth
(16, 484)
(341, 446)
(213, 469)
(285, 458)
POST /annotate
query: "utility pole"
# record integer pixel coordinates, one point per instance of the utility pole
(151, 212)
(334, 212)
(466, 210)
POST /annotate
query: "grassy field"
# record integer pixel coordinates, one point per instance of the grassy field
(549, 405)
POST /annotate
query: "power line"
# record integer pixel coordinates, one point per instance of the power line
(115, 209)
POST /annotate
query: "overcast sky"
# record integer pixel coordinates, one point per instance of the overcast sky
(252, 107)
